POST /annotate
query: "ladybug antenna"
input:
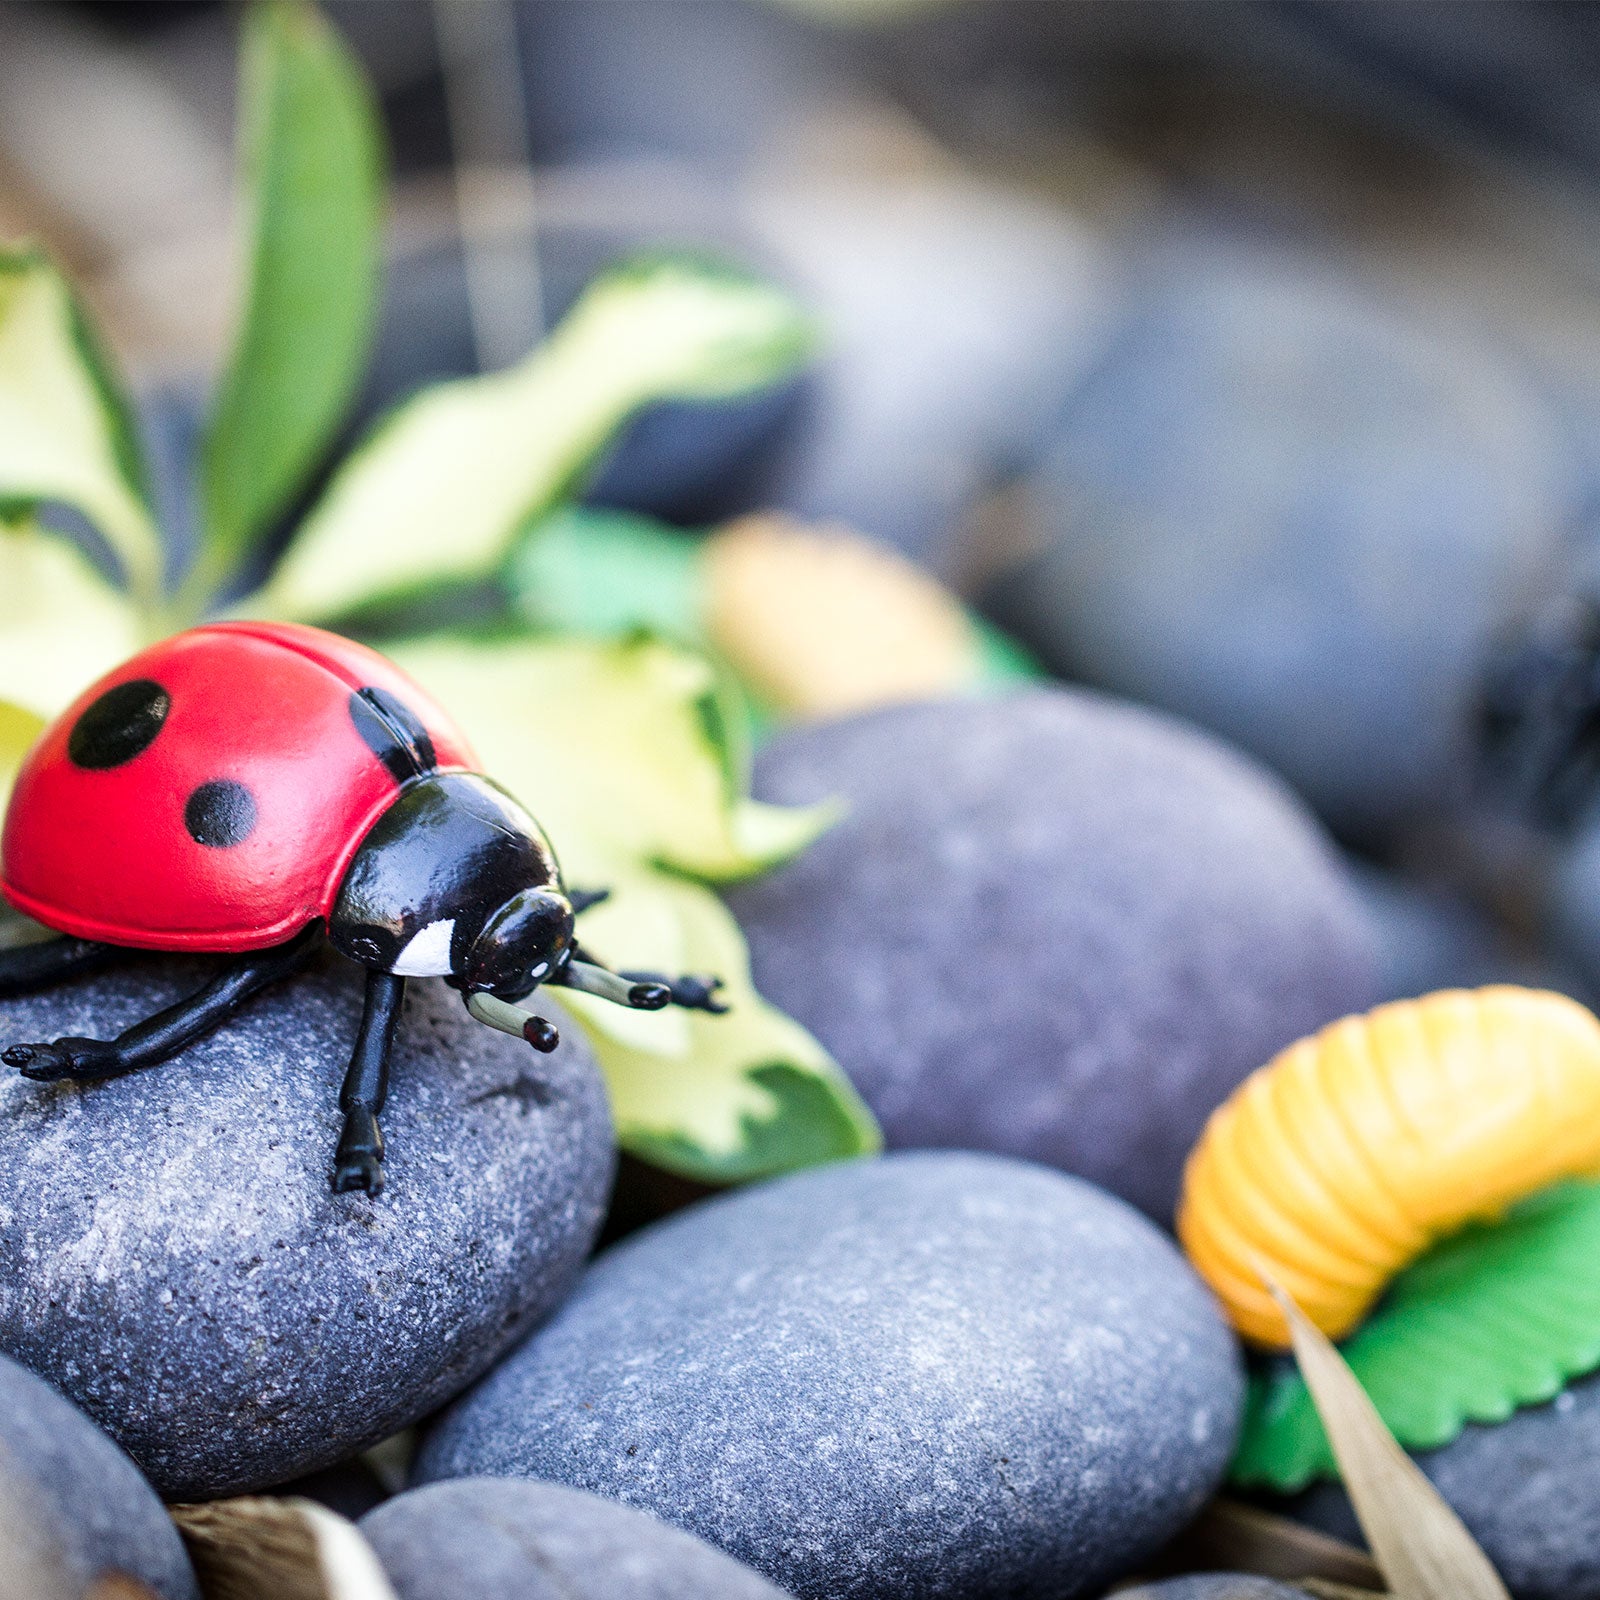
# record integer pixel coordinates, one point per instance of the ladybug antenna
(504, 1017)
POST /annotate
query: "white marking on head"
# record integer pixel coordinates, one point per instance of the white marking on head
(540, 970)
(427, 955)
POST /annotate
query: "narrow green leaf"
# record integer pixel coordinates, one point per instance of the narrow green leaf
(66, 428)
(1501, 1315)
(438, 492)
(609, 745)
(61, 623)
(313, 174)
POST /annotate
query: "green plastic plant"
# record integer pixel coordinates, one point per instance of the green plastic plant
(1499, 1316)
(629, 750)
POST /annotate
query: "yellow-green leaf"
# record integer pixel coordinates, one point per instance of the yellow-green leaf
(747, 1094)
(61, 623)
(610, 746)
(313, 169)
(19, 727)
(66, 429)
(438, 492)
(632, 745)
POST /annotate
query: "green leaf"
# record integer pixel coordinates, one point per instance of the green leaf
(66, 428)
(608, 573)
(61, 623)
(313, 170)
(1499, 1316)
(612, 746)
(439, 491)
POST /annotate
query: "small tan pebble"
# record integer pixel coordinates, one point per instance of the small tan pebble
(822, 621)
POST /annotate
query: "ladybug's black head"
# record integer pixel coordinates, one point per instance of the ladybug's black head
(521, 944)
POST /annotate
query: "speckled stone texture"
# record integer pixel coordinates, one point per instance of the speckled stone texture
(1052, 925)
(478, 1537)
(937, 1374)
(1527, 1488)
(1289, 509)
(1214, 1586)
(172, 1256)
(73, 1507)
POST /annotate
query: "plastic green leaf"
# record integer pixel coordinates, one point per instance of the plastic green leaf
(313, 172)
(439, 491)
(1499, 1316)
(61, 623)
(614, 747)
(66, 429)
(605, 573)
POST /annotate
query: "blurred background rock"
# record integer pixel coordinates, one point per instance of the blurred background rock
(1239, 357)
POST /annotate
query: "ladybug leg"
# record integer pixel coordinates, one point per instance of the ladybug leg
(25, 967)
(358, 1162)
(693, 991)
(166, 1033)
(582, 899)
(642, 991)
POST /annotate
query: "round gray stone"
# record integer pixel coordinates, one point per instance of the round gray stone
(172, 1256)
(540, 1541)
(936, 1374)
(1214, 1586)
(73, 1508)
(1285, 507)
(1527, 1488)
(1051, 925)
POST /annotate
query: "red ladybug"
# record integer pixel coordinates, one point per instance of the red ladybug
(252, 787)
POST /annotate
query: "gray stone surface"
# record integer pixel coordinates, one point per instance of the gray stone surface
(73, 1507)
(1290, 509)
(936, 1374)
(1214, 1586)
(1527, 1488)
(173, 1259)
(516, 1540)
(1052, 925)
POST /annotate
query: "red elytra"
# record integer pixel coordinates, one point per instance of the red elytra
(255, 709)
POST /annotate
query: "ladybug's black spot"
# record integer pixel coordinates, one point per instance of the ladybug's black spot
(393, 733)
(117, 726)
(220, 813)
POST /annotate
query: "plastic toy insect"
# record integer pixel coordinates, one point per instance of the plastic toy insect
(252, 788)
(1351, 1152)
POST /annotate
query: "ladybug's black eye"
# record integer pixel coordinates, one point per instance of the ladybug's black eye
(220, 813)
(118, 725)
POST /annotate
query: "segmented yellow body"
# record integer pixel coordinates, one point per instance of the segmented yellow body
(1348, 1154)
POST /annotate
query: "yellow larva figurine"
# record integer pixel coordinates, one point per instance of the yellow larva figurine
(1350, 1153)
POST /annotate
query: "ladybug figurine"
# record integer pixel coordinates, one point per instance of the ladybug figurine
(252, 788)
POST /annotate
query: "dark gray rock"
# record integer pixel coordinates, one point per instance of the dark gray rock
(173, 1259)
(1528, 1490)
(73, 1507)
(1284, 507)
(1429, 937)
(1214, 1586)
(937, 1374)
(1571, 908)
(1051, 925)
(539, 1541)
